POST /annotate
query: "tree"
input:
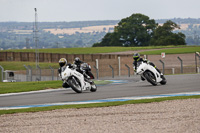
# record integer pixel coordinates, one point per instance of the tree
(163, 35)
(106, 41)
(135, 30)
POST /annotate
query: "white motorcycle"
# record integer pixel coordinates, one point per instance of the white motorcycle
(148, 72)
(76, 80)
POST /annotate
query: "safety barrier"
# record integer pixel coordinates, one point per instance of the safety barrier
(118, 67)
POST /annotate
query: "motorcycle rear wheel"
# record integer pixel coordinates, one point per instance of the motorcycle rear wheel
(164, 81)
(93, 87)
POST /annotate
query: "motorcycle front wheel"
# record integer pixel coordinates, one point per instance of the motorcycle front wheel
(75, 84)
(150, 77)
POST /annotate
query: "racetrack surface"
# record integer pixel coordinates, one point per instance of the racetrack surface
(132, 87)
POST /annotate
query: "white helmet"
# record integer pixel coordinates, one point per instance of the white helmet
(62, 62)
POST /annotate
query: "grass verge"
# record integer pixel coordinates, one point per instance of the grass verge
(91, 50)
(15, 87)
(94, 105)
(16, 65)
(184, 50)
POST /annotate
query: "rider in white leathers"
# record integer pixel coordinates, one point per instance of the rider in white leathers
(137, 59)
(63, 64)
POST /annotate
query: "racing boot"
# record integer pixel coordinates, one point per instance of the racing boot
(87, 78)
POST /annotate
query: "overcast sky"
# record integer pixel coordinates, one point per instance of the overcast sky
(83, 10)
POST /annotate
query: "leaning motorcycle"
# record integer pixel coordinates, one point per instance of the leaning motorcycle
(76, 81)
(148, 72)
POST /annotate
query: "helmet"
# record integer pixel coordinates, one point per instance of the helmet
(136, 56)
(62, 62)
(77, 59)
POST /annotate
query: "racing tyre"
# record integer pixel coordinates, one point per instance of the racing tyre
(164, 81)
(75, 85)
(150, 77)
(93, 87)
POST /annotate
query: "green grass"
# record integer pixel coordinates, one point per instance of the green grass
(7, 65)
(0, 76)
(184, 50)
(95, 50)
(16, 87)
(94, 105)
(90, 50)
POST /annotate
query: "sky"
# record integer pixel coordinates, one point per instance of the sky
(88, 10)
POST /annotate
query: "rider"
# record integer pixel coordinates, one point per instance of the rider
(62, 64)
(77, 63)
(137, 59)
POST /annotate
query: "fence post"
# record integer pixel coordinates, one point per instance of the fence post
(39, 79)
(97, 72)
(197, 55)
(27, 72)
(30, 68)
(173, 70)
(128, 69)
(181, 63)
(196, 61)
(119, 61)
(97, 63)
(163, 64)
(52, 72)
(145, 56)
(2, 69)
(112, 71)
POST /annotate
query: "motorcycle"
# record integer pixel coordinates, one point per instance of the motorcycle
(148, 72)
(87, 68)
(75, 80)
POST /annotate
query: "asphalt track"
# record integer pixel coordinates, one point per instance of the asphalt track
(127, 87)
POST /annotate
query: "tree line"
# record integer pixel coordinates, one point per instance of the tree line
(14, 40)
(140, 30)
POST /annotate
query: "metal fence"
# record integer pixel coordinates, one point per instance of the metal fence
(114, 68)
(31, 74)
